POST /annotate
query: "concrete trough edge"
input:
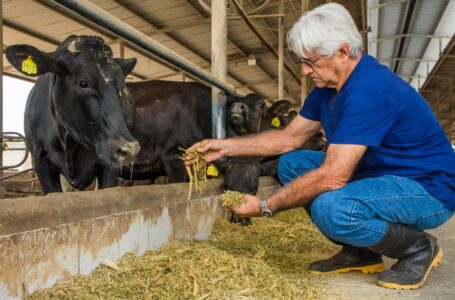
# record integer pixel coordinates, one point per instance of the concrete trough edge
(47, 239)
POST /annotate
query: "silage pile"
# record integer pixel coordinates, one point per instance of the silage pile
(267, 260)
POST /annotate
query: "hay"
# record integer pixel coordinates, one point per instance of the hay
(197, 171)
(267, 260)
(231, 198)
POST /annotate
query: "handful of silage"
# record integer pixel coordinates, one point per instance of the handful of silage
(231, 198)
(197, 172)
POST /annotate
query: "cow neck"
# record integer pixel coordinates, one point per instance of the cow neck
(71, 147)
(70, 144)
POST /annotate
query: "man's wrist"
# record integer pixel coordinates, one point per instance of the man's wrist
(265, 210)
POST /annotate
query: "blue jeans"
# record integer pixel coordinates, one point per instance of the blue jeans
(357, 214)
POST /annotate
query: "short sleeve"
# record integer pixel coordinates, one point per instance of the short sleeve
(312, 106)
(364, 119)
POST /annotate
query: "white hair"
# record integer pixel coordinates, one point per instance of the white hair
(323, 30)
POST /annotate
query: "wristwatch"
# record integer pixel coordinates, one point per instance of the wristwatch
(265, 210)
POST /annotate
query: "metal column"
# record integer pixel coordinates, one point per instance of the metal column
(304, 85)
(219, 66)
(281, 51)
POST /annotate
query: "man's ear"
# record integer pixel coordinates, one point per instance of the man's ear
(279, 108)
(126, 64)
(31, 61)
(344, 51)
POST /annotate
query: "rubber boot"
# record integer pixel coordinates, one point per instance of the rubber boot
(350, 258)
(417, 253)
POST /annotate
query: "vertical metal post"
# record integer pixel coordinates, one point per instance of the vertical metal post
(219, 66)
(1, 86)
(281, 51)
(122, 48)
(303, 80)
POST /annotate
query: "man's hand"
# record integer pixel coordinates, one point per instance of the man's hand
(250, 208)
(212, 149)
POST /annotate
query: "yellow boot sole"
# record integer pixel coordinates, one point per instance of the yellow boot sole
(377, 268)
(437, 259)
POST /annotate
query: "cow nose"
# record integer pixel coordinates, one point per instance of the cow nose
(127, 152)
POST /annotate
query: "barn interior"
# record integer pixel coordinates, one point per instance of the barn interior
(414, 38)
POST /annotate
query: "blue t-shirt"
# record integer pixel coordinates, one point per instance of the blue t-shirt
(378, 109)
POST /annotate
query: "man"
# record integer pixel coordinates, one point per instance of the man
(389, 171)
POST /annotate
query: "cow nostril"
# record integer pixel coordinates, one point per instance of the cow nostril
(122, 153)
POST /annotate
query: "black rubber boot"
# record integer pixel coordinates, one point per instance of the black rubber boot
(417, 253)
(350, 258)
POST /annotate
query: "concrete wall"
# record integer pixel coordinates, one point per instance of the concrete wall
(48, 239)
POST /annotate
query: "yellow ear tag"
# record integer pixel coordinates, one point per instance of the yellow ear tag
(29, 66)
(276, 122)
(212, 170)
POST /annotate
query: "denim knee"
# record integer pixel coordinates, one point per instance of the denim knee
(295, 163)
(332, 216)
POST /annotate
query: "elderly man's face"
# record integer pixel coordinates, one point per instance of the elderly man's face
(321, 69)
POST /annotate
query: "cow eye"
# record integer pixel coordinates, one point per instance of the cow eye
(82, 84)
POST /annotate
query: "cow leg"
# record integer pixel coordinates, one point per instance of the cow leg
(48, 175)
(107, 177)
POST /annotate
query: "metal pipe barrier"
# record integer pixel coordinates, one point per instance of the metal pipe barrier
(15, 137)
(102, 18)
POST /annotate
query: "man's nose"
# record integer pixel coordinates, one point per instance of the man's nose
(306, 69)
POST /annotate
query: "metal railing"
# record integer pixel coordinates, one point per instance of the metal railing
(15, 137)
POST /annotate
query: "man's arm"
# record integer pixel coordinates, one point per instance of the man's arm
(266, 143)
(334, 173)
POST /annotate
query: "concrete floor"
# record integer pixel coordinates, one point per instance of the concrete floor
(440, 284)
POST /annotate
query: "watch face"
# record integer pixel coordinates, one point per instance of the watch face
(267, 214)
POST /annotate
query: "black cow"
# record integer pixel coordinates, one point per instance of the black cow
(78, 112)
(250, 115)
(172, 115)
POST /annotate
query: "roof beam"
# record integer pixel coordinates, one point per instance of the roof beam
(184, 45)
(261, 38)
(244, 52)
(410, 6)
(440, 62)
(412, 35)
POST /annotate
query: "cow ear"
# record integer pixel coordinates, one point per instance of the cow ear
(30, 61)
(279, 108)
(127, 64)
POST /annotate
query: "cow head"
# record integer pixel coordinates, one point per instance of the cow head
(250, 114)
(245, 114)
(89, 98)
(241, 174)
